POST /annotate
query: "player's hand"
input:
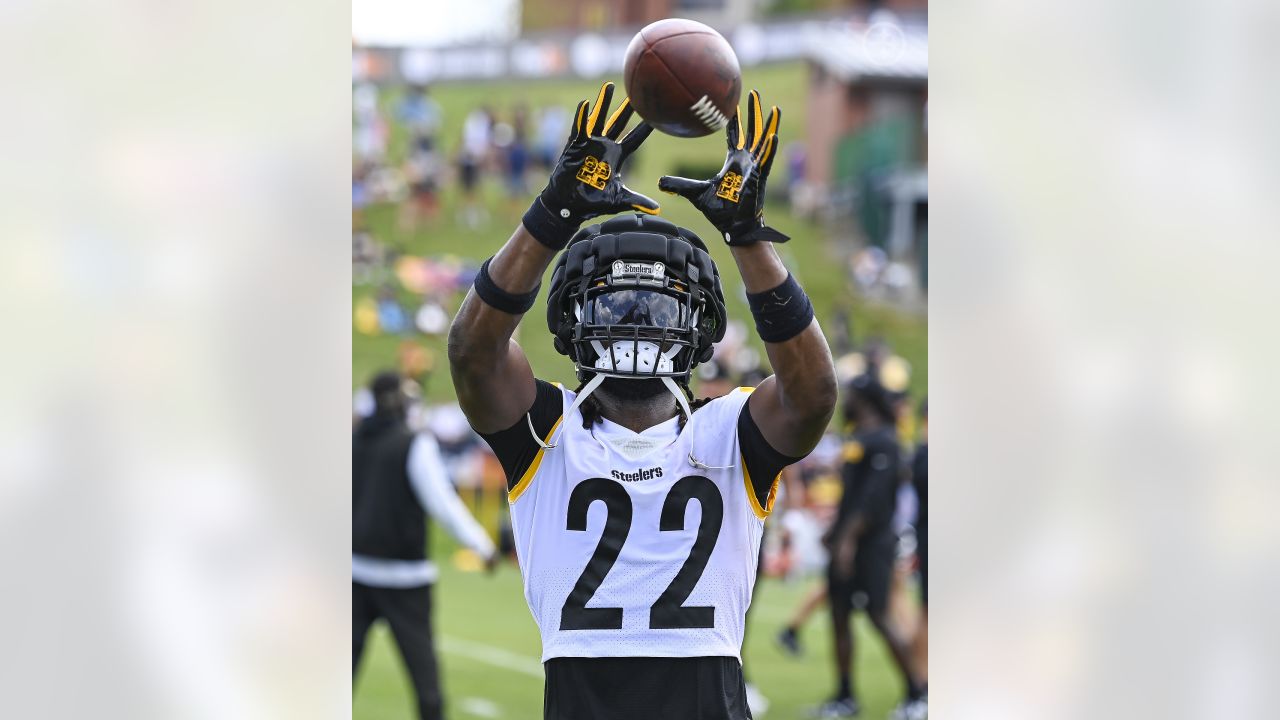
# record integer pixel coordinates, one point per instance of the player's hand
(491, 562)
(733, 200)
(585, 182)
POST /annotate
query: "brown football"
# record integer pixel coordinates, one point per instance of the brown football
(682, 77)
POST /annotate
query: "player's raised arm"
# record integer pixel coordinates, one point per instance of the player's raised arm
(792, 407)
(491, 374)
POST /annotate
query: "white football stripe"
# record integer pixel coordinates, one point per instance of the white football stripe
(709, 114)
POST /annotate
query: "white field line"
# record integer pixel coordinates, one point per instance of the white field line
(495, 656)
(480, 707)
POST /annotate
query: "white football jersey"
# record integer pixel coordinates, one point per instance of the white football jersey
(629, 549)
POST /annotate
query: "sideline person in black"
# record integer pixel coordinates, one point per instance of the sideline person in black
(397, 479)
(862, 542)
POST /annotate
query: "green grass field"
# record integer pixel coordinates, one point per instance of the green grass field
(489, 645)
(489, 649)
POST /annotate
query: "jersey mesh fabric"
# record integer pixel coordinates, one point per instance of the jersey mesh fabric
(553, 557)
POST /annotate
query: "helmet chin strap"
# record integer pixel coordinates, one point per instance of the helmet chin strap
(681, 400)
(587, 389)
(591, 387)
(703, 466)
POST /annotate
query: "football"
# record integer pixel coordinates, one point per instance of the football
(683, 77)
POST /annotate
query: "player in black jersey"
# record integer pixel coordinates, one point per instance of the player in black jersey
(863, 544)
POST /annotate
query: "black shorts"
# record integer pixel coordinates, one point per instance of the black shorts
(868, 588)
(644, 688)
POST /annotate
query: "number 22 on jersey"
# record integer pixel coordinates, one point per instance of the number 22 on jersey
(668, 612)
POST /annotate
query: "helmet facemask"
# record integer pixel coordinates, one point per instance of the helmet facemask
(636, 322)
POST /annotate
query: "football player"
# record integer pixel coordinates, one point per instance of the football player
(637, 511)
(863, 545)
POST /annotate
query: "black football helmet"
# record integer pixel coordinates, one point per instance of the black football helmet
(636, 297)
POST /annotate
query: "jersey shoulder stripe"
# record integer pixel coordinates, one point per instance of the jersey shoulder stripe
(518, 448)
(761, 511)
(527, 478)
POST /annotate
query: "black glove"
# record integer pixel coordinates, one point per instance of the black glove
(733, 200)
(585, 182)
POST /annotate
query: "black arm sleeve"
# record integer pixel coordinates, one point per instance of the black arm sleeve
(515, 446)
(763, 463)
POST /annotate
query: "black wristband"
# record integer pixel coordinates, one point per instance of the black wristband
(499, 299)
(781, 313)
(549, 228)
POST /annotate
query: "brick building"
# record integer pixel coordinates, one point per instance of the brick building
(865, 135)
